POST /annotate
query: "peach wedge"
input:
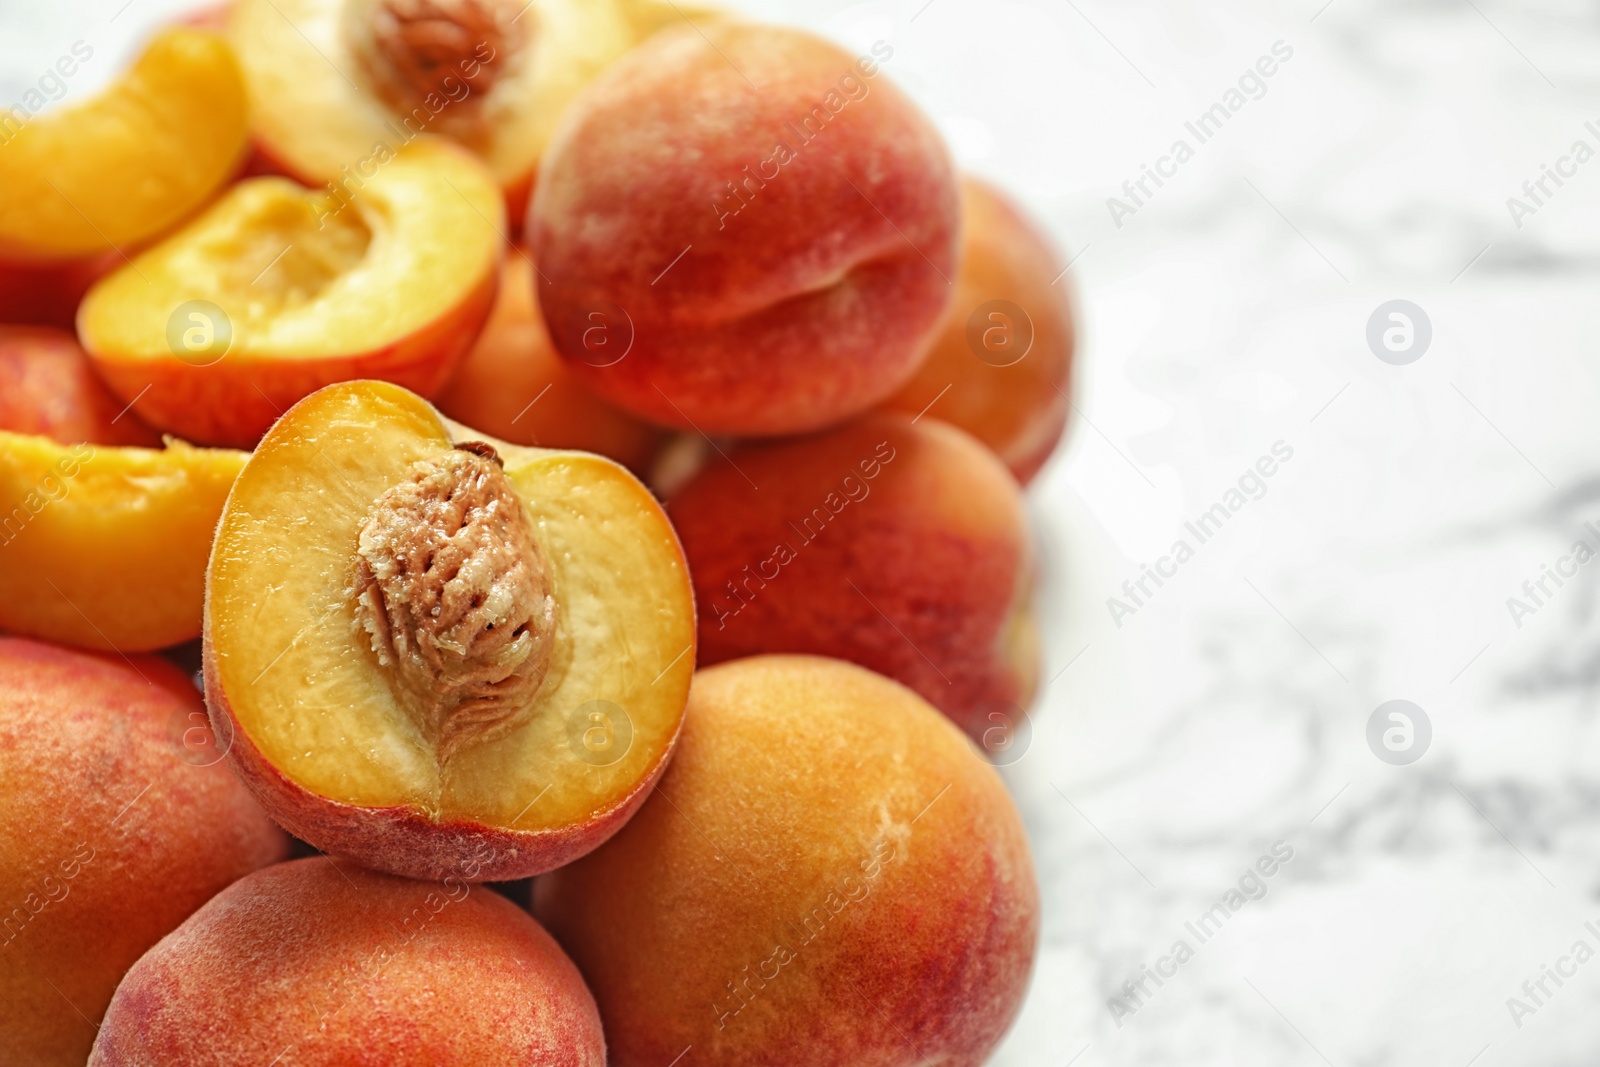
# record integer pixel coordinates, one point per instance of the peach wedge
(105, 547)
(442, 655)
(276, 291)
(166, 135)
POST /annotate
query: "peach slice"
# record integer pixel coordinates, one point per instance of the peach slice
(276, 291)
(128, 164)
(106, 547)
(1001, 365)
(827, 876)
(435, 664)
(310, 964)
(514, 386)
(332, 79)
(47, 387)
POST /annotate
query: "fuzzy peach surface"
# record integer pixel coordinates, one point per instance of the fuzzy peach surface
(762, 221)
(109, 838)
(48, 387)
(828, 875)
(321, 964)
(898, 545)
(1016, 402)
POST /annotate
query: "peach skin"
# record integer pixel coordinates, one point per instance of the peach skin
(900, 545)
(1001, 364)
(313, 964)
(427, 642)
(749, 257)
(514, 386)
(47, 387)
(116, 822)
(276, 291)
(881, 913)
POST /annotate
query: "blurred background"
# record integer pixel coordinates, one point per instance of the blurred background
(1424, 468)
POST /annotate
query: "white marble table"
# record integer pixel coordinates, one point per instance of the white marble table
(1225, 314)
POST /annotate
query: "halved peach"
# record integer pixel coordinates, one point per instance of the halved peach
(514, 385)
(277, 290)
(105, 547)
(331, 79)
(47, 387)
(439, 654)
(129, 163)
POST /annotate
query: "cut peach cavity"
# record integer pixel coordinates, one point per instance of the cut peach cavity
(105, 547)
(440, 654)
(331, 79)
(167, 134)
(277, 290)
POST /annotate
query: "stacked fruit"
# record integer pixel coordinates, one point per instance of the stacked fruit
(611, 239)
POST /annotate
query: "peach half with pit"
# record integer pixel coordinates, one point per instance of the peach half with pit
(277, 290)
(330, 79)
(440, 654)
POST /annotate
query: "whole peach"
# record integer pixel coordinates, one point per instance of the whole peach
(116, 822)
(48, 387)
(514, 386)
(829, 875)
(743, 229)
(1001, 364)
(899, 544)
(312, 964)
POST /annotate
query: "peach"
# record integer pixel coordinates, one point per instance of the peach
(897, 544)
(514, 386)
(331, 79)
(116, 822)
(126, 165)
(308, 964)
(47, 294)
(1001, 364)
(828, 875)
(276, 291)
(106, 547)
(47, 387)
(431, 645)
(744, 230)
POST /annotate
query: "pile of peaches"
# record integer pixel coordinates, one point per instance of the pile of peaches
(568, 445)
